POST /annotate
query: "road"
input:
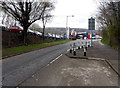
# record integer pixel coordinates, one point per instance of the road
(73, 71)
(18, 68)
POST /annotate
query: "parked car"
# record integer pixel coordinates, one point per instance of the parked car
(58, 36)
(93, 37)
(31, 32)
(38, 33)
(98, 37)
(15, 29)
(3, 27)
(50, 35)
(46, 35)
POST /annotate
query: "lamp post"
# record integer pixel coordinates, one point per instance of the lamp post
(67, 28)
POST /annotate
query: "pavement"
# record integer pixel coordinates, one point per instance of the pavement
(99, 50)
(67, 71)
(79, 70)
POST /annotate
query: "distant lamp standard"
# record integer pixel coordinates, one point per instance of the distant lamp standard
(67, 28)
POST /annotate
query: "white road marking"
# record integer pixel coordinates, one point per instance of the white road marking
(68, 50)
(55, 59)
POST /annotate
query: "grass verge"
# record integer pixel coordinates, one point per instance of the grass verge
(105, 42)
(117, 47)
(23, 49)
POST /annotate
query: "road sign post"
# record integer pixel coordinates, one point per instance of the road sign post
(91, 26)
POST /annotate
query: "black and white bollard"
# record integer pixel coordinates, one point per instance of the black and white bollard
(86, 46)
(74, 45)
(74, 53)
(70, 48)
(89, 44)
(82, 45)
(84, 51)
(78, 47)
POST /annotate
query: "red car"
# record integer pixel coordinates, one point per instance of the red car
(15, 29)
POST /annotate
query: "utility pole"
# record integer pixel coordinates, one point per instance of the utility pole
(91, 26)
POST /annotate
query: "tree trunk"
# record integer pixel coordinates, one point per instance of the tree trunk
(110, 40)
(43, 32)
(24, 35)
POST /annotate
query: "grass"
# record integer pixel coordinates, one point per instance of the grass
(117, 47)
(24, 49)
(105, 42)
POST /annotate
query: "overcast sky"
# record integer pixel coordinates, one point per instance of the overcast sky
(81, 9)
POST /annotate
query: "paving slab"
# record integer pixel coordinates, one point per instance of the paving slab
(65, 71)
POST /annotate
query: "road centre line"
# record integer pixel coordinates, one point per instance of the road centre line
(68, 50)
(33, 75)
(55, 59)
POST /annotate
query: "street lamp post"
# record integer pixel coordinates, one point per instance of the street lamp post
(67, 28)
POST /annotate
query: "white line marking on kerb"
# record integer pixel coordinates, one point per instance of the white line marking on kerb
(68, 50)
(56, 59)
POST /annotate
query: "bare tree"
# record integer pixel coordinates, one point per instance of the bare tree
(8, 20)
(109, 18)
(36, 27)
(45, 18)
(26, 11)
(109, 12)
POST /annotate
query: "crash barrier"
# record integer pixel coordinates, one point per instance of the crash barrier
(79, 45)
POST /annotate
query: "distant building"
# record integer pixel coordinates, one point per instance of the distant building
(91, 24)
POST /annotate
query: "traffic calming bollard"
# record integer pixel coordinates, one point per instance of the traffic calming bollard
(88, 43)
(84, 51)
(82, 45)
(78, 45)
(70, 48)
(74, 53)
(86, 46)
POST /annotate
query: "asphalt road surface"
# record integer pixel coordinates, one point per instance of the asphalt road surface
(18, 68)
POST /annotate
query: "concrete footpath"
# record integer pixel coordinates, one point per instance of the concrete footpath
(99, 50)
(66, 71)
